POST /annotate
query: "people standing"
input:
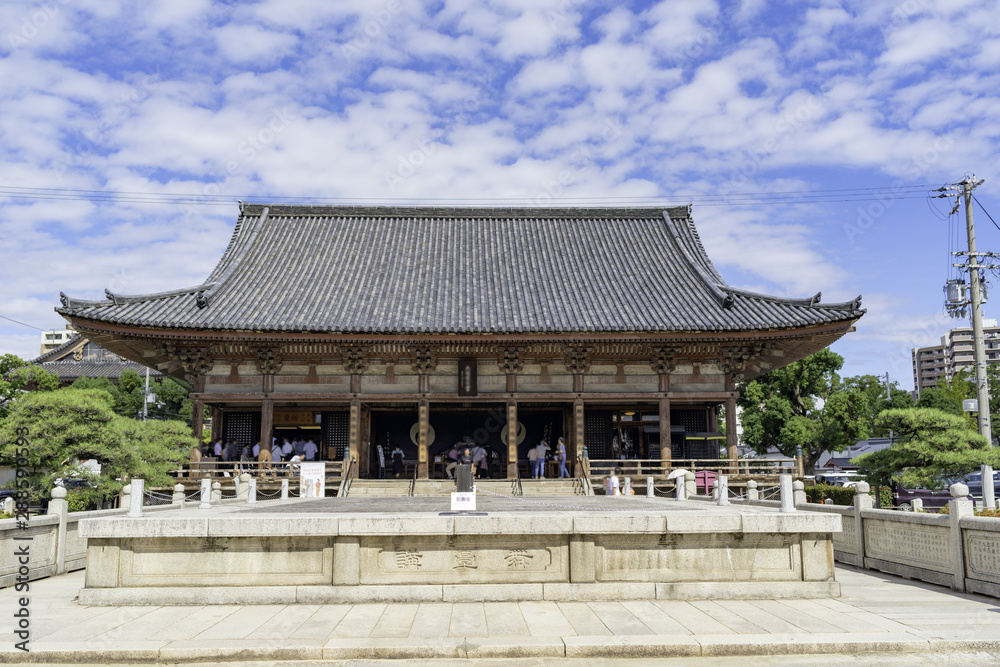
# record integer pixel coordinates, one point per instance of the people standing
(453, 463)
(397, 460)
(561, 457)
(286, 449)
(541, 451)
(532, 459)
(613, 487)
(309, 450)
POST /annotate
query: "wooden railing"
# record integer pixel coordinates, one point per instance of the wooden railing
(262, 470)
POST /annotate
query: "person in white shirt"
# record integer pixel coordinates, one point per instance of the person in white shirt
(256, 451)
(309, 450)
(613, 488)
(218, 448)
(286, 450)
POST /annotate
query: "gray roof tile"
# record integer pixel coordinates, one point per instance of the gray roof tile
(463, 270)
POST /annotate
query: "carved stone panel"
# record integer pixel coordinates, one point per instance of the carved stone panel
(982, 555)
(926, 547)
(464, 559)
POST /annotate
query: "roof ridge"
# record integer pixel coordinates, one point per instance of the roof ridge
(238, 253)
(810, 301)
(532, 212)
(58, 349)
(718, 289)
(112, 299)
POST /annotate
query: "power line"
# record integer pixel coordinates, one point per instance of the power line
(730, 199)
(30, 326)
(976, 199)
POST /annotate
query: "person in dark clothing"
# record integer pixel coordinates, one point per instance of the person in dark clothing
(397, 460)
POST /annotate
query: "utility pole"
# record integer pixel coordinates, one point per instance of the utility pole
(979, 347)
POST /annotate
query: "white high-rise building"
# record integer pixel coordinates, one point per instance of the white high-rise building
(941, 362)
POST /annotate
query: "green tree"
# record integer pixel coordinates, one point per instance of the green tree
(931, 446)
(18, 376)
(943, 399)
(127, 395)
(72, 425)
(807, 404)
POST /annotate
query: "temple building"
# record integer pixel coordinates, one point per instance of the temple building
(367, 327)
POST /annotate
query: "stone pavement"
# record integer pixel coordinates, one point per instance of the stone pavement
(877, 617)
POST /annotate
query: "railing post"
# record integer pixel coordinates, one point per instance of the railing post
(799, 493)
(959, 507)
(216, 492)
(178, 497)
(243, 491)
(722, 490)
(206, 494)
(785, 487)
(136, 498)
(649, 487)
(60, 506)
(252, 490)
(917, 504)
(715, 489)
(752, 492)
(284, 489)
(862, 501)
(689, 486)
(125, 499)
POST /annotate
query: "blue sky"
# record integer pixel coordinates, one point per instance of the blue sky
(867, 105)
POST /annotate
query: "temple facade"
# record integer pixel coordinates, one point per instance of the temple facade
(366, 327)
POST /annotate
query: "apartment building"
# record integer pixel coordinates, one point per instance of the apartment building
(940, 362)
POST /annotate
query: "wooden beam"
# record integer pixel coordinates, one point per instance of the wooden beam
(511, 439)
(423, 432)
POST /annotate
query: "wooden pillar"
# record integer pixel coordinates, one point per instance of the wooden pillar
(217, 424)
(731, 440)
(364, 436)
(197, 417)
(511, 439)
(423, 430)
(578, 431)
(665, 440)
(354, 430)
(266, 422)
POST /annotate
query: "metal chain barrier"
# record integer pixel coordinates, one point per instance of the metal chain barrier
(771, 493)
(154, 498)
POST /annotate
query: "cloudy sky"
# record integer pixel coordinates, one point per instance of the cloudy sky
(806, 134)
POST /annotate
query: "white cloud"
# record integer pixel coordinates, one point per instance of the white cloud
(248, 43)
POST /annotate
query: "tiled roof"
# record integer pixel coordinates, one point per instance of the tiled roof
(98, 368)
(463, 270)
(59, 351)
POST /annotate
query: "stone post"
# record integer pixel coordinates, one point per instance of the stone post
(626, 486)
(237, 486)
(917, 504)
(689, 486)
(752, 492)
(799, 493)
(862, 501)
(125, 497)
(9, 506)
(178, 497)
(785, 486)
(649, 487)
(959, 507)
(252, 490)
(679, 488)
(216, 492)
(715, 489)
(828, 501)
(284, 489)
(60, 506)
(243, 487)
(989, 501)
(722, 490)
(136, 498)
(206, 494)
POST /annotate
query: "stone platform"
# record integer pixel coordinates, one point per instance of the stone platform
(404, 550)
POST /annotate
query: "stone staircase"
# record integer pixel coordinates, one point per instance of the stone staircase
(399, 487)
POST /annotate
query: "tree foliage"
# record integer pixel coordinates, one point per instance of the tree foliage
(72, 425)
(18, 376)
(807, 404)
(932, 446)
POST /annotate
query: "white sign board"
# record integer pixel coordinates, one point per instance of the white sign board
(463, 502)
(312, 480)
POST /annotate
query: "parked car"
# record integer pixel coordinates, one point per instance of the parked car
(838, 478)
(902, 498)
(974, 480)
